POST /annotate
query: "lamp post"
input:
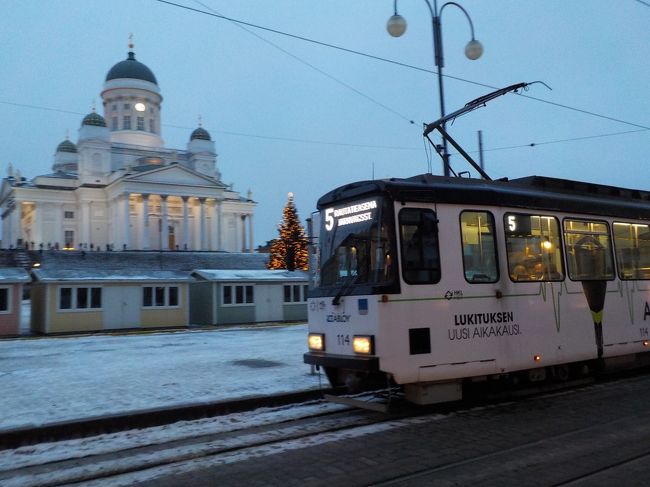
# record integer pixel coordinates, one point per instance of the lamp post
(396, 26)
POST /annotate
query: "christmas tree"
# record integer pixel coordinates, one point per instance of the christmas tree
(289, 250)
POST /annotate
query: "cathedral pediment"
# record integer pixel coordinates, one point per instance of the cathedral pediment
(174, 174)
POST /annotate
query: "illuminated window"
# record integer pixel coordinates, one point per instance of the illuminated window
(420, 254)
(68, 236)
(632, 243)
(479, 249)
(533, 247)
(589, 251)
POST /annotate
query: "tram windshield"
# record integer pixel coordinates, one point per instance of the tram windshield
(357, 244)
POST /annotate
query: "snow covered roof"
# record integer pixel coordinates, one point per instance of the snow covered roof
(250, 275)
(13, 274)
(66, 275)
(173, 261)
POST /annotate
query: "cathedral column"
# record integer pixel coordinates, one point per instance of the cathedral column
(59, 234)
(145, 223)
(16, 224)
(186, 224)
(37, 232)
(84, 230)
(243, 232)
(125, 222)
(202, 233)
(250, 233)
(219, 210)
(164, 226)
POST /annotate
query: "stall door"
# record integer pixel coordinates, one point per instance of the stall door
(268, 303)
(122, 306)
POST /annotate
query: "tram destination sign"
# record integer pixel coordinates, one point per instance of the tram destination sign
(347, 215)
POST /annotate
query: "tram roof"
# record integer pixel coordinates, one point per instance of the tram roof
(531, 192)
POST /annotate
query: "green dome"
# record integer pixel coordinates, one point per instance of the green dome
(130, 68)
(200, 133)
(95, 119)
(66, 146)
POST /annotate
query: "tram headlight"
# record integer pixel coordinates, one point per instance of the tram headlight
(363, 344)
(316, 342)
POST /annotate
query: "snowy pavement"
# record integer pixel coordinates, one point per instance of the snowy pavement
(45, 380)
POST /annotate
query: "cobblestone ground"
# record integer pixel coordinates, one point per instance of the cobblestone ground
(541, 441)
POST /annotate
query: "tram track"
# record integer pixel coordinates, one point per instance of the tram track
(134, 456)
(71, 461)
(584, 456)
(92, 426)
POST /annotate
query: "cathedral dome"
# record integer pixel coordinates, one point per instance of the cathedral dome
(67, 146)
(94, 119)
(201, 134)
(130, 68)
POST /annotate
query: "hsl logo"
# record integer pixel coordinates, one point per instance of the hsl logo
(338, 318)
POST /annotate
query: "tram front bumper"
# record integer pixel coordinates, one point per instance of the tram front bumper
(370, 364)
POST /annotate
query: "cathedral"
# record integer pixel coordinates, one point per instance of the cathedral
(119, 188)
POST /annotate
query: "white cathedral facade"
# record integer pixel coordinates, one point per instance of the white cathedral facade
(119, 188)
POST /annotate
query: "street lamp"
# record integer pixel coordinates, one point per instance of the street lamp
(396, 26)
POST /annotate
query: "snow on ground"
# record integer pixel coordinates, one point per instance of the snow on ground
(44, 380)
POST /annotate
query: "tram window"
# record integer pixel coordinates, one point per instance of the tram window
(479, 249)
(533, 247)
(420, 252)
(589, 251)
(632, 243)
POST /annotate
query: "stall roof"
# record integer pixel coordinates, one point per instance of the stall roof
(87, 275)
(250, 275)
(13, 274)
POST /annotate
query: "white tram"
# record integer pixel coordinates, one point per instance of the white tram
(429, 281)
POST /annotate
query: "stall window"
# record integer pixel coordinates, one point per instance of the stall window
(65, 298)
(239, 294)
(159, 296)
(533, 247)
(80, 298)
(632, 243)
(295, 293)
(479, 249)
(420, 252)
(5, 299)
(173, 296)
(589, 251)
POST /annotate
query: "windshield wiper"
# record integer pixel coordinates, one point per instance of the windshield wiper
(345, 287)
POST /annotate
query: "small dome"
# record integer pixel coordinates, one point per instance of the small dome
(200, 133)
(95, 119)
(130, 68)
(66, 146)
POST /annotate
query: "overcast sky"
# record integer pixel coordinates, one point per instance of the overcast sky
(289, 115)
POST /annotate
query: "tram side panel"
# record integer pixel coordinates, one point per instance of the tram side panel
(487, 328)
(452, 329)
